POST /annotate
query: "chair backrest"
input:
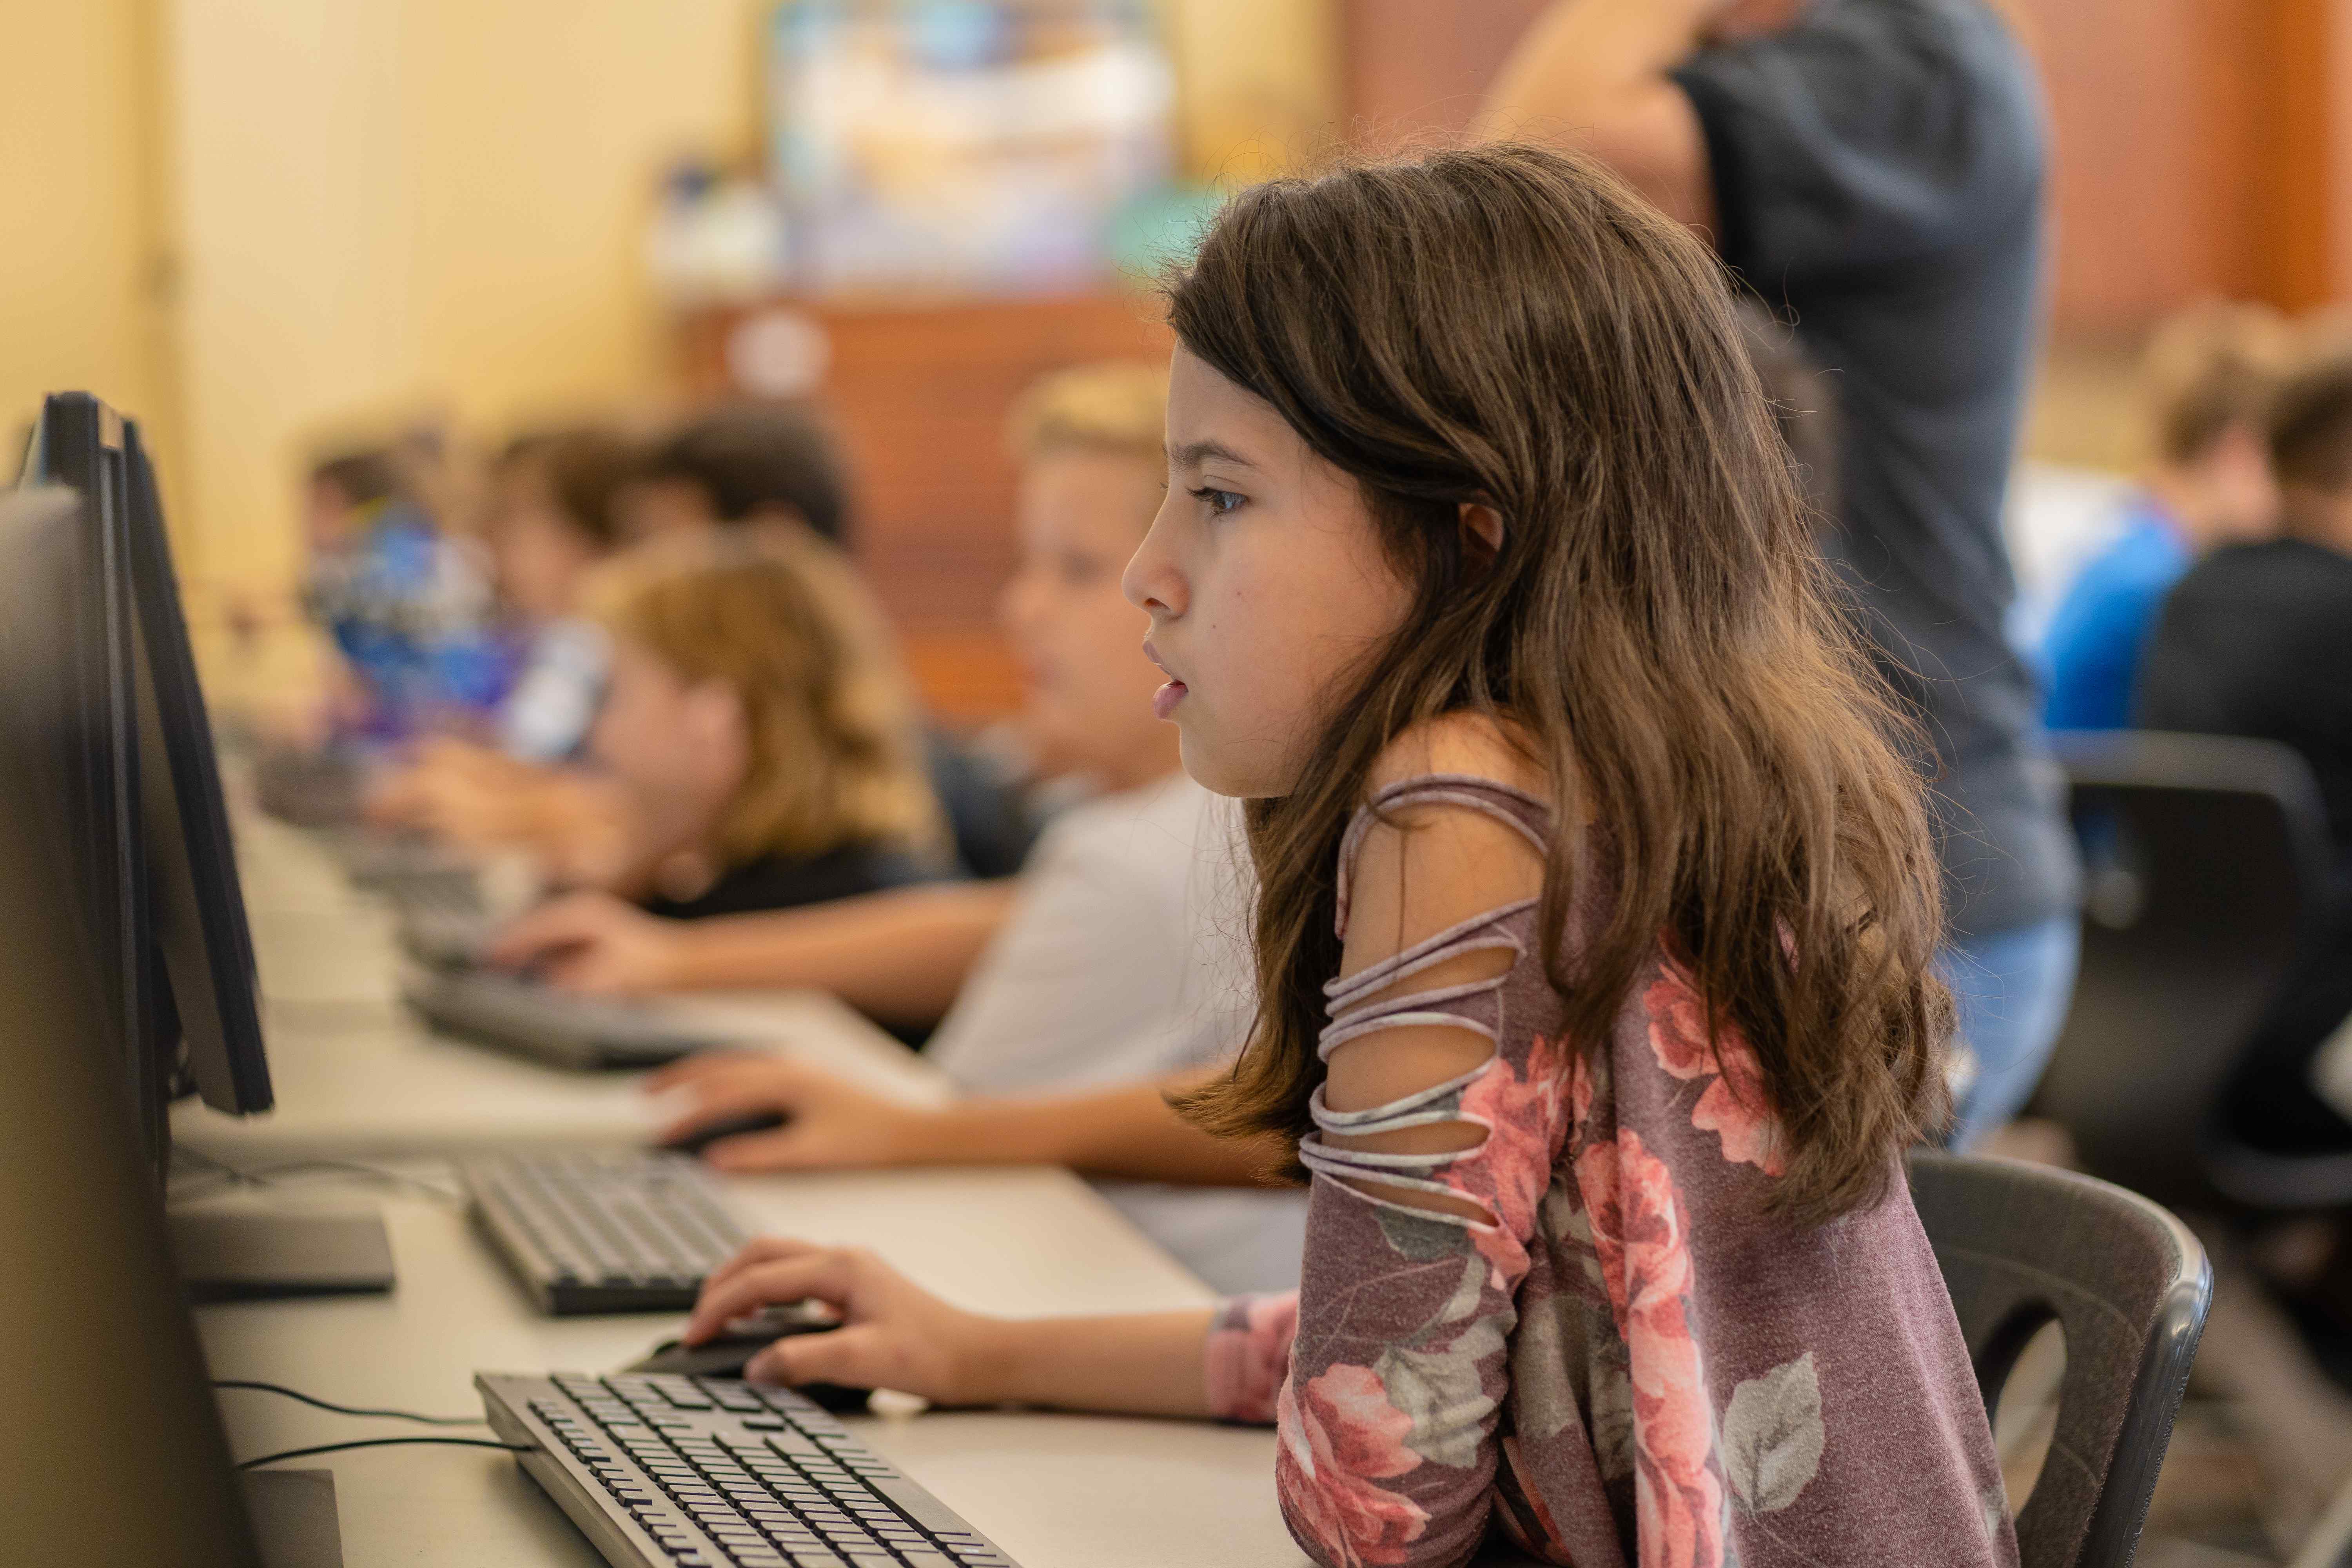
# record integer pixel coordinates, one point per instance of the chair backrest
(2023, 1245)
(2207, 858)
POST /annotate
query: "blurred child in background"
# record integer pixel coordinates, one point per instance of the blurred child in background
(1114, 961)
(2256, 640)
(2207, 380)
(553, 521)
(560, 502)
(741, 462)
(408, 608)
(759, 728)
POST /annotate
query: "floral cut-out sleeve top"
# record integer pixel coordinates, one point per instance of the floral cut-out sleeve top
(1633, 1364)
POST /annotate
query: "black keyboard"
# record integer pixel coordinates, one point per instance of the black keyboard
(443, 919)
(603, 1232)
(678, 1472)
(587, 1033)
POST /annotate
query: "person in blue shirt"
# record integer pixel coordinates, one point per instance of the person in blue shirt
(2208, 379)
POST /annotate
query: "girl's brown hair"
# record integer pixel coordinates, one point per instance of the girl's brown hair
(831, 724)
(1513, 325)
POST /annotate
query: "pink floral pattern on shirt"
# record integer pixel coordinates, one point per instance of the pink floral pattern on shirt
(1637, 1363)
(1732, 1107)
(1339, 1443)
(1525, 1109)
(1638, 1231)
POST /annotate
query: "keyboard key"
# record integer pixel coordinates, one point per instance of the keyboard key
(746, 1485)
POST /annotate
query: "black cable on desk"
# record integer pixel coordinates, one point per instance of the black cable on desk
(383, 1443)
(280, 1388)
(272, 1175)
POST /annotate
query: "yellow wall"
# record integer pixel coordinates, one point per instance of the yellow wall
(1261, 83)
(80, 283)
(397, 205)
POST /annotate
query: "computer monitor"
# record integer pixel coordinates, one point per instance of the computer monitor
(66, 601)
(155, 882)
(113, 1448)
(195, 904)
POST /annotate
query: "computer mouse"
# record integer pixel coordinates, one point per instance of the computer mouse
(726, 1356)
(695, 1140)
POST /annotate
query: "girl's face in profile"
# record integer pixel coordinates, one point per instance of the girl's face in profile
(676, 746)
(1266, 583)
(1087, 687)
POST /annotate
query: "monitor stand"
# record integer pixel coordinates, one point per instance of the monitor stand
(244, 1255)
(294, 1519)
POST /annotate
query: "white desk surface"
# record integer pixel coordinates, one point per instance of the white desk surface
(1080, 1491)
(355, 1079)
(356, 1074)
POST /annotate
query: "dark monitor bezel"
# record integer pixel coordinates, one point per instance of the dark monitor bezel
(197, 900)
(78, 443)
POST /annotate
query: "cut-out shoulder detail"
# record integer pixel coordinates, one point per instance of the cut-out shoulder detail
(1415, 1009)
(1470, 745)
(1527, 815)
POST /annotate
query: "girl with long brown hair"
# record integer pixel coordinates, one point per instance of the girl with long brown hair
(1595, 925)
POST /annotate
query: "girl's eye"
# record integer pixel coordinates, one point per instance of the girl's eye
(1217, 500)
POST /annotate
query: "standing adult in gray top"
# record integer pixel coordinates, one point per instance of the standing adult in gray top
(1873, 168)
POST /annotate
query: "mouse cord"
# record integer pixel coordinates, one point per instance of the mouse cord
(382, 1443)
(280, 1388)
(270, 1175)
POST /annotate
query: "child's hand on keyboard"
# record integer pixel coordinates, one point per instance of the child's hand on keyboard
(896, 1334)
(893, 1333)
(593, 943)
(827, 1122)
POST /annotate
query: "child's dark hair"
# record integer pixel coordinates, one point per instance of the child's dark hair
(1513, 325)
(2311, 428)
(584, 469)
(361, 477)
(753, 459)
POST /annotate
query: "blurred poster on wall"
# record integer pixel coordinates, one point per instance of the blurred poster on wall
(961, 147)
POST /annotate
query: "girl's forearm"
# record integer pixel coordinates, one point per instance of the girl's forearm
(900, 956)
(1127, 1132)
(1137, 1364)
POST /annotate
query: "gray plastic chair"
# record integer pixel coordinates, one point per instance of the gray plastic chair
(2023, 1245)
(2208, 861)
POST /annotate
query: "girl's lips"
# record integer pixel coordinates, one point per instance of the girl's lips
(1164, 701)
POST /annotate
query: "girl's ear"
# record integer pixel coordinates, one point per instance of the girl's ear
(1481, 533)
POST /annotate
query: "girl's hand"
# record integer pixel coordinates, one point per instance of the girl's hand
(828, 1124)
(596, 944)
(893, 1333)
